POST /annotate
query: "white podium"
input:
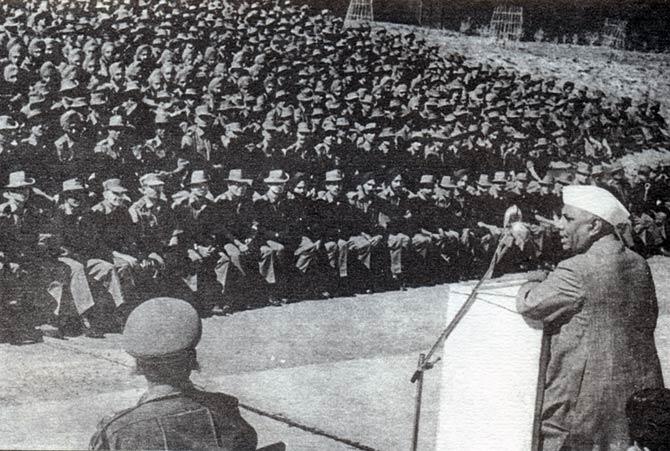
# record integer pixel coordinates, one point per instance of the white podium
(490, 369)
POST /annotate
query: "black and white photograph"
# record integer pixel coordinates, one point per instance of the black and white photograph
(315, 225)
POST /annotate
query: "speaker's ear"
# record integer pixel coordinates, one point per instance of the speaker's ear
(599, 226)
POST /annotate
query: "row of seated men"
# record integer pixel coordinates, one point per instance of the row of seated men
(84, 257)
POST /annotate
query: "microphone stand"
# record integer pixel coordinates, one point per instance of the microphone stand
(424, 359)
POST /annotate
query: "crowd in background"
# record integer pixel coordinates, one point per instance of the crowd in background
(230, 152)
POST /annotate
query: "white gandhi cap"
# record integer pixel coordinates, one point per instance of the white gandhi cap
(596, 201)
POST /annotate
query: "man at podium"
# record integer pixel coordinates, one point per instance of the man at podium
(599, 310)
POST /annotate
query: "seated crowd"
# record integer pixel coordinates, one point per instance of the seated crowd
(228, 153)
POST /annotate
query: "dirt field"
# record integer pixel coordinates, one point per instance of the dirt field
(326, 375)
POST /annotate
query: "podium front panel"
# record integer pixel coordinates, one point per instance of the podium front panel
(490, 370)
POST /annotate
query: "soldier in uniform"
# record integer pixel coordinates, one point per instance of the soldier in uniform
(306, 232)
(273, 226)
(451, 221)
(73, 244)
(69, 159)
(394, 215)
(368, 208)
(153, 228)
(424, 220)
(236, 210)
(112, 154)
(618, 185)
(340, 225)
(159, 153)
(162, 335)
(23, 215)
(483, 233)
(113, 227)
(116, 86)
(196, 230)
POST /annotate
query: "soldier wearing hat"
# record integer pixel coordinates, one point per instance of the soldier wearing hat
(159, 153)
(273, 226)
(340, 225)
(307, 234)
(236, 211)
(298, 150)
(70, 149)
(134, 111)
(544, 207)
(487, 219)
(153, 231)
(198, 234)
(426, 232)
(33, 151)
(73, 244)
(618, 183)
(445, 191)
(98, 112)
(368, 207)
(112, 153)
(116, 86)
(162, 335)
(199, 139)
(23, 217)
(114, 238)
(395, 212)
(452, 222)
(599, 308)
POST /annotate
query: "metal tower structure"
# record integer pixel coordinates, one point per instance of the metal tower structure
(614, 33)
(507, 23)
(358, 11)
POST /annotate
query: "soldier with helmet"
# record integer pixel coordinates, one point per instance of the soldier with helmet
(161, 335)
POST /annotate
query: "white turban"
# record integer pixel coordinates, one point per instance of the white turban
(596, 201)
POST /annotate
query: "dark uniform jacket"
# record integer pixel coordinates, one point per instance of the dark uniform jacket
(339, 219)
(73, 235)
(369, 209)
(20, 229)
(169, 418)
(450, 215)
(395, 211)
(304, 218)
(153, 225)
(69, 159)
(272, 217)
(196, 220)
(114, 230)
(425, 214)
(237, 215)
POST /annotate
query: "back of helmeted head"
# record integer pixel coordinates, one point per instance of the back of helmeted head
(161, 330)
